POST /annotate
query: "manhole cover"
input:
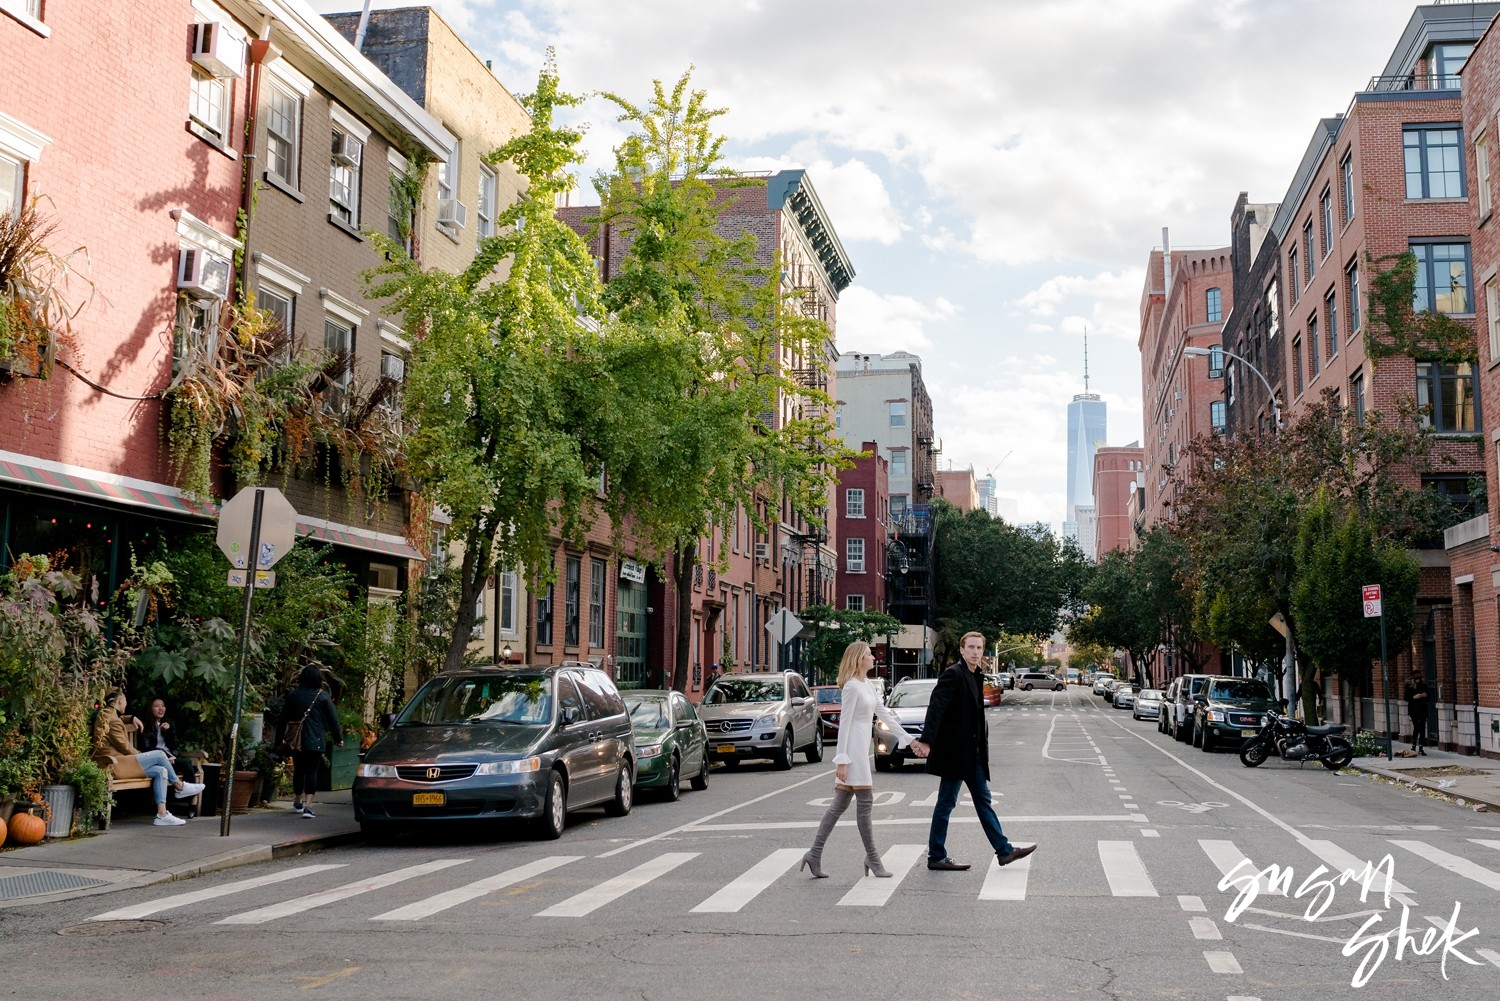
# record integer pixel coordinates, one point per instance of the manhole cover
(32, 884)
(101, 929)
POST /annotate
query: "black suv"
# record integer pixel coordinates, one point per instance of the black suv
(1228, 710)
(1177, 706)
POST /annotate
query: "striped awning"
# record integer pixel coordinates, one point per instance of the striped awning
(374, 542)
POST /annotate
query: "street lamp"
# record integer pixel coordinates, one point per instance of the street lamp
(1208, 353)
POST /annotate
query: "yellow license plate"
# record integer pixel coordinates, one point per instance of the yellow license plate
(427, 799)
(725, 749)
(1248, 733)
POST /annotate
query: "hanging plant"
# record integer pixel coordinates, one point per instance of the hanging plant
(1396, 328)
(35, 313)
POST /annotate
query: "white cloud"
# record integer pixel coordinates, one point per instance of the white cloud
(854, 196)
(869, 321)
(1106, 304)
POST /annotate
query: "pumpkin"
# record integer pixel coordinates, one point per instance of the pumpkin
(2, 831)
(27, 828)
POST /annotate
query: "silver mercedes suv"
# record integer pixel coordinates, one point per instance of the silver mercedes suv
(760, 716)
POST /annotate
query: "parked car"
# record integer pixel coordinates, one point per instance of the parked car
(1007, 680)
(1039, 679)
(1109, 690)
(670, 741)
(1179, 709)
(1147, 704)
(994, 692)
(1101, 683)
(760, 716)
(830, 704)
(1123, 696)
(1228, 710)
(490, 742)
(909, 702)
(1168, 695)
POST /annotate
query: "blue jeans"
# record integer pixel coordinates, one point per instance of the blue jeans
(157, 765)
(979, 790)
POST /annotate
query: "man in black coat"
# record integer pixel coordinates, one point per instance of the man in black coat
(956, 742)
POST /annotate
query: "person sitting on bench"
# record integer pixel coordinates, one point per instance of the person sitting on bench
(112, 735)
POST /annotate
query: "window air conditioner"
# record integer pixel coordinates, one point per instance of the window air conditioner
(217, 52)
(763, 551)
(346, 149)
(393, 367)
(452, 212)
(201, 274)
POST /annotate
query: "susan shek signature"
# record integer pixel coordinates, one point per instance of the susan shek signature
(1321, 886)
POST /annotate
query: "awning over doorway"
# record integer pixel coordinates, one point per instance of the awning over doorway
(374, 542)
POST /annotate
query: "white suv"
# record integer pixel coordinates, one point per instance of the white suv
(1039, 679)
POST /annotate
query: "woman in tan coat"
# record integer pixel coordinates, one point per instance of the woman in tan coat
(112, 735)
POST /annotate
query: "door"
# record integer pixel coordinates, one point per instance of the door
(605, 726)
(804, 712)
(577, 749)
(630, 635)
(690, 738)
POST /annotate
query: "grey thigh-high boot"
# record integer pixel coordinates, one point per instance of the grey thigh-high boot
(865, 804)
(814, 858)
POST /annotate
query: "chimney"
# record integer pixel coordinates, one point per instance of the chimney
(1166, 266)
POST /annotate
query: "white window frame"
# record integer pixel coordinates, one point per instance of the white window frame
(282, 91)
(905, 470)
(484, 208)
(854, 502)
(896, 414)
(12, 195)
(508, 583)
(1492, 308)
(210, 101)
(346, 123)
(854, 555)
(1482, 172)
(267, 289)
(851, 600)
(29, 13)
(22, 145)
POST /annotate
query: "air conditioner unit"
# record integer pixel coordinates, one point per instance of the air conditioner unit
(201, 274)
(393, 367)
(1179, 396)
(1171, 412)
(452, 212)
(218, 52)
(763, 551)
(346, 149)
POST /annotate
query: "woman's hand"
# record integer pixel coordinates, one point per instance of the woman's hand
(841, 772)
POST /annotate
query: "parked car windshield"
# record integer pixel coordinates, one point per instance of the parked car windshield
(727, 690)
(1238, 688)
(907, 698)
(523, 699)
(1149, 695)
(827, 695)
(646, 712)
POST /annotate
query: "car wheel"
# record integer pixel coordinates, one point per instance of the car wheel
(674, 780)
(814, 751)
(700, 781)
(1184, 731)
(1027, 688)
(1059, 688)
(784, 753)
(1208, 743)
(624, 792)
(555, 810)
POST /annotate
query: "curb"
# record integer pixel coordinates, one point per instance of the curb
(1492, 804)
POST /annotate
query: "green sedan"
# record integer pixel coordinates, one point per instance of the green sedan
(669, 741)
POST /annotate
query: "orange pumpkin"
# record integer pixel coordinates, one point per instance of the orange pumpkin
(2, 832)
(27, 828)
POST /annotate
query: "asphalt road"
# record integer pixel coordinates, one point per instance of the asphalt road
(701, 899)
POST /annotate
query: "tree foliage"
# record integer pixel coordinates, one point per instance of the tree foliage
(833, 629)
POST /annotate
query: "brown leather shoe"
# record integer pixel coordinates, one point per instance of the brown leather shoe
(1014, 854)
(946, 865)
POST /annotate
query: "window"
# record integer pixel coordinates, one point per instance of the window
(898, 462)
(1331, 312)
(485, 210)
(1346, 172)
(343, 176)
(898, 414)
(1445, 61)
(1352, 272)
(12, 175)
(1312, 251)
(393, 369)
(1297, 366)
(1325, 208)
(1492, 307)
(898, 507)
(1292, 274)
(282, 306)
(571, 584)
(854, 555)
(1216, 361)
(1455, 497)
(208, 106)
(1442, 278)
(338, 341)
(447, 177)
(400, 208)
(598, 574)
(508, 601)
(1315, 364)
(1357, 396)
(1214, 301)
(855, 602)
(1434, 162)
(544, 616)
(1216, 416)
(283, 131)
(854, 503)
(1449, 391)
(1482, 172)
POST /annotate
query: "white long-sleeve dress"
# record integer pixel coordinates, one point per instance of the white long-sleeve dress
(856, 720)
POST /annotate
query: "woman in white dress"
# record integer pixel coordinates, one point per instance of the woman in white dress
(857, 713)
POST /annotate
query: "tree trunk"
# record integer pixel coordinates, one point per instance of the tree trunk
(684, 561)
(472, 574)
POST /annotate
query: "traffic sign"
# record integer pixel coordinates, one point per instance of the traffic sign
(1371, 596)
(278, 528)
(784, 625)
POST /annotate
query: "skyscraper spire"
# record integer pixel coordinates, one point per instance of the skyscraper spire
(1085, 359)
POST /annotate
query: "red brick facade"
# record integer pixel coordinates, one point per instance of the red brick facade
(1117, 468)
(864, 516)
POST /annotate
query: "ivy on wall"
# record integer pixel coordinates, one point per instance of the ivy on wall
(1395, 327)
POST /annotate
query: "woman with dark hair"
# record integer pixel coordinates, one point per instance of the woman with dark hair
(113, 734)
(310, 705)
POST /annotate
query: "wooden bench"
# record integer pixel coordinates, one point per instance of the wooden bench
(126, 774)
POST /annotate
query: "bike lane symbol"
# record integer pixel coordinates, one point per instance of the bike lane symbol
(1192, 807)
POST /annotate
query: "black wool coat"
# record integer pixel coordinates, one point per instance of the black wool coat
(955, 727)
(320, 730)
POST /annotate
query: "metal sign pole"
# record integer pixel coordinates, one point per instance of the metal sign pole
(239, 680)
(1385, 688)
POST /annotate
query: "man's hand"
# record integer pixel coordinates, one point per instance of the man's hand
(920, 749)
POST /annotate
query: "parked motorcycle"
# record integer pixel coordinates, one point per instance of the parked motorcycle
(1292, 740)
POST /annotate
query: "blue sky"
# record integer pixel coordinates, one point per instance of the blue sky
(997, 170)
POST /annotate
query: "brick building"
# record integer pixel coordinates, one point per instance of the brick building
(1117, 472)
(863, 515)
(959, 488)
(1254, 322)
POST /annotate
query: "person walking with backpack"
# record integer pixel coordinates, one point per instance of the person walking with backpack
(309, 727)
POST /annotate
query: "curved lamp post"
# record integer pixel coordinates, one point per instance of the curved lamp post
(1208, 353)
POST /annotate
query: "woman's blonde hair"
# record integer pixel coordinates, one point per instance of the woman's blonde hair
(850, 666)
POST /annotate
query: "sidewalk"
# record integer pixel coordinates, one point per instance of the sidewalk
(1473, 779)
(135, 852)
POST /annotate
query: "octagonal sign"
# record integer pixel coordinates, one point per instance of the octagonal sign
(278, 528)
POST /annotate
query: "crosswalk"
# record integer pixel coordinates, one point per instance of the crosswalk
(573, 887)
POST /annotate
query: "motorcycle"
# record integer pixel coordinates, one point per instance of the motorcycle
(1292, 740)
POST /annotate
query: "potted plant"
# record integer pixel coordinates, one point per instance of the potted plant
(246, 778)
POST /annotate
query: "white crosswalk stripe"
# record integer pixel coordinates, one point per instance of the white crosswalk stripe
(1340, 860)
(463, 894)
(1227, 858)
(324, 897)
(592, 899)
(196, 896)
(746, 888)
(871, 891)
(1455, 864)
(1122, 867)
(1006, 882)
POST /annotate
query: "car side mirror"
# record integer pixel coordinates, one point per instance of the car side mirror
(571, 715)
(684, 724)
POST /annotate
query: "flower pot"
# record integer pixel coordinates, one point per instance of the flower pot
(245, 785)
(59, 799)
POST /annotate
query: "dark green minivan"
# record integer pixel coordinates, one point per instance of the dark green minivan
(486, 743)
